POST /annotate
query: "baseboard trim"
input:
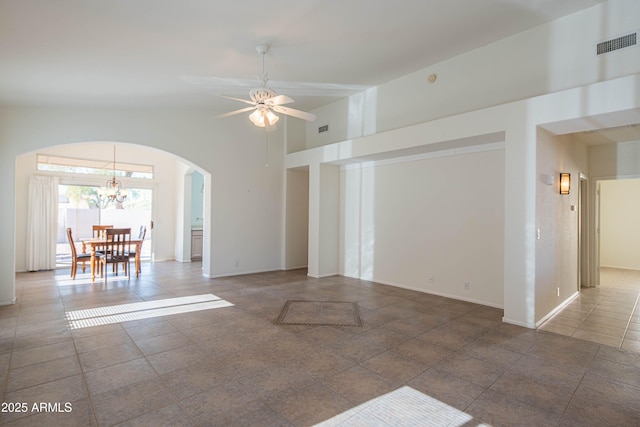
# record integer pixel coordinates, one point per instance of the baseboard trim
(440, 294)
(296, 268)
(242, 273)
(562, 305)
(322, 276)
(518, 323)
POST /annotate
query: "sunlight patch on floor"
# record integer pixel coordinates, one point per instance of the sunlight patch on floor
(402, 407)
(143, 310)
(81, 280)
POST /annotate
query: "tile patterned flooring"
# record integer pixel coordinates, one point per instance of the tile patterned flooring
(447, 361)
(607, 314)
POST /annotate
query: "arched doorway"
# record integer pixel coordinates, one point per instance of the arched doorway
(169, 173)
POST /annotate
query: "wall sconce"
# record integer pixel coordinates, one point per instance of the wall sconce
(565, 183)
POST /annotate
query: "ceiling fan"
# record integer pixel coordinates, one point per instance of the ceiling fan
(265, 102)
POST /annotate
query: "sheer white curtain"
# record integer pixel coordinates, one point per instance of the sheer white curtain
(42, 223)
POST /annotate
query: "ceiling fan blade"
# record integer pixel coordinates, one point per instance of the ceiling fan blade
(295, 113)
(246, 101)
(233, 113)
(280, 100)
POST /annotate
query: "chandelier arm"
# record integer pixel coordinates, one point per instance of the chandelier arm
(113, 191)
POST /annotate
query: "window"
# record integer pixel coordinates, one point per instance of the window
(46, 162)
(80, 207)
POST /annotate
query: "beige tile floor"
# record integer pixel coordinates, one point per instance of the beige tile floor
(607, 314)
(418, 359)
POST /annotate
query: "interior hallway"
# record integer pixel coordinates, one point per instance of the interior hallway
(433, 359)
(607, 314)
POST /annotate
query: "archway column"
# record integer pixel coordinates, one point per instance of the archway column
(324, 219)
(8, 227)
(520, 222)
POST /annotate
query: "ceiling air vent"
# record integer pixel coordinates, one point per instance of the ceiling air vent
(617, 43)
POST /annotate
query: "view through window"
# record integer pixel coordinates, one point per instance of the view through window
(80, 207)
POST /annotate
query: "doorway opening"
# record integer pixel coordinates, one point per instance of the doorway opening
(618, 227)
(80, 207)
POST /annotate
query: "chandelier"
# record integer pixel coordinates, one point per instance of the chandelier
(113, 190)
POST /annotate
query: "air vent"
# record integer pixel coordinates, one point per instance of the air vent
(617, 43)
(324, 128)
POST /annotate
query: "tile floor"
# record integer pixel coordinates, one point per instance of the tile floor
(607, 314)
(417, 359)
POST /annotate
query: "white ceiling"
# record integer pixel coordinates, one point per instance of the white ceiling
(136, 52)
(625, 133)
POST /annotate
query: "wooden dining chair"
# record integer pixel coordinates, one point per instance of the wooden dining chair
(136, 251)
(99, 231)
(117, 248)
(76, 257)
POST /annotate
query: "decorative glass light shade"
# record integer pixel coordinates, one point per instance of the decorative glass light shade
(260, 117)
(113, 190)
(565, 183)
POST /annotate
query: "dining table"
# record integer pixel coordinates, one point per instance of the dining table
(94, 244)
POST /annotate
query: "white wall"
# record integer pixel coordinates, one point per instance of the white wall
(197, 195)
(548, 58)
(606, 104)
(297, 219)
(562, 86)
(608, 161)
(557, 249)
(329, 219)
(246, 220)
(295, 137)
(182, 209)
(430, 224)
(619, 224)
(615, 161)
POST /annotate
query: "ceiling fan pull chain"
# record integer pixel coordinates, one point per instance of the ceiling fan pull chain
(266, 149)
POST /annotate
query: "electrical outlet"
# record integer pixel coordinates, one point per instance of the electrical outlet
(237, 263)
(430, 279)
(466, 285)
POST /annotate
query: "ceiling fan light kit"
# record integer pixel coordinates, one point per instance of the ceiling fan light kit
(263, 118)
(266, 103)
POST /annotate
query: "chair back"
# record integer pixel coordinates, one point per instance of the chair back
(143, 232)
(99, 231)
(117, 244)
(71, 243)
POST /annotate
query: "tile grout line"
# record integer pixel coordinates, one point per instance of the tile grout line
(626, 329)
(93, 415)
(573, 395)
(13, 343)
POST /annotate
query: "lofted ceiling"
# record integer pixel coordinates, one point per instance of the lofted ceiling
(137, 53)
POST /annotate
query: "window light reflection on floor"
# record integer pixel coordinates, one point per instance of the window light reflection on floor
(402, 407)
(143, 310)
